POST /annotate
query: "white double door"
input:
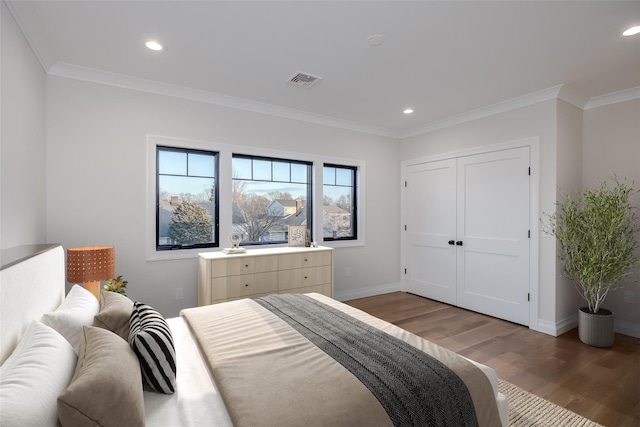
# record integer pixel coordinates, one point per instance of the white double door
(467, 232)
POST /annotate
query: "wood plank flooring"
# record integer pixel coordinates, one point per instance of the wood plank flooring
(600, 384)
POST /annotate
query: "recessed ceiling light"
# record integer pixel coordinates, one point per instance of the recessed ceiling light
(408, 111)
(632, 31)
(375, 40)
(154, 45)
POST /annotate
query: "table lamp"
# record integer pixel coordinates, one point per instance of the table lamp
(91, 264)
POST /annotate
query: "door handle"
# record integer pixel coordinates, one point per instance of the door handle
(451, 242)
(459, 243)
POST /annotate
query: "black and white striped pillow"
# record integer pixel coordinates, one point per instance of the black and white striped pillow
(151, 340)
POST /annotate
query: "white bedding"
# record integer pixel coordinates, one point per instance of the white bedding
(196, 401)
(36, 286)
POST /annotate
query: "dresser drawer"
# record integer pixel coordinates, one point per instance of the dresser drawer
(304, 259)
(244, 285)
(263, 271)
(243, 265)
(302, 277)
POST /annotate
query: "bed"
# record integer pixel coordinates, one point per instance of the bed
(239, 363)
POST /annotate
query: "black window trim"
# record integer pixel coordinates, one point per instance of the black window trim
(309, 205)
(354, 214)
(216, 154)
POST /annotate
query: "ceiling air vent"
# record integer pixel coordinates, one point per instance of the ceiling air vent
(303, 79)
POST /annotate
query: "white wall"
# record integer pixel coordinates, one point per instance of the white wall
(569, 181)
(96, 138)
(611, 146)
(86, 185)
(537, 120)
(22, 140)
(577, 149)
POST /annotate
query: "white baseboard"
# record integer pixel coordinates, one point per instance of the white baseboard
(558, 328)
(366, 292)
(555, 328)
(567, 324)
(545, 326)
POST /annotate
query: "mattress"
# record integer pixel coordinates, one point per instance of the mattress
(198, 400)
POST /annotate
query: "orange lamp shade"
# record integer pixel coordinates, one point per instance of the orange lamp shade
(91, 264)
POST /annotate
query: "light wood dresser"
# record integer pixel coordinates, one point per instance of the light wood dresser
(225, 277)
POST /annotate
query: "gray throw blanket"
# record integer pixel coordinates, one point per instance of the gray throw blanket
(414, 388)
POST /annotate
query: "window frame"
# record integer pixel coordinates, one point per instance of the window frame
(354, 203)
(360, 197)
(224, 180)
(309, 192)
(216, 210)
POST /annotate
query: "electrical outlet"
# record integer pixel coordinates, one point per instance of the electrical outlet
(629, 297)
(348, 272)
(179, 294)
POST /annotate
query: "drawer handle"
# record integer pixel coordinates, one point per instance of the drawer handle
(305, 260)
(305, 277)
(246, 284)
(246, 265)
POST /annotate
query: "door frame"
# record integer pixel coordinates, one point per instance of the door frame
(533, 143)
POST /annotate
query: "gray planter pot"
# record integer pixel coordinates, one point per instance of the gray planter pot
(595, 329)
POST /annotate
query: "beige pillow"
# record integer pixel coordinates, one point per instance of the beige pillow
(106, 388)
(115, 310)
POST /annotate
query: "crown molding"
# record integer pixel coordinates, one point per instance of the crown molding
(613, 98)
(127, 82)
(563, 92)
(27, 20)
(25, 16)
(490, 110)
(571, 95)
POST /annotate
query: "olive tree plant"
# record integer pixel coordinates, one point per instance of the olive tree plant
(597, 232)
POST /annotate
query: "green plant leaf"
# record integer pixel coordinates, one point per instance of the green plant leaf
(597, 232)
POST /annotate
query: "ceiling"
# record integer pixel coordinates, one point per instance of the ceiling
(444, 59)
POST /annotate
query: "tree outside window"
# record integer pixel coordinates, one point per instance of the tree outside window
(186, 198)
(191, 224)
(269, 195)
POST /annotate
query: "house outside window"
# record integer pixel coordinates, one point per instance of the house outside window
(216, 178)
(339, 210)
(268, 195)
(186, 198)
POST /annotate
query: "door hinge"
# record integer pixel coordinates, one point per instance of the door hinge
(405, 271)
(528, 297)
(529, 234)
(529, 171)
(405, 184)
(405, 227)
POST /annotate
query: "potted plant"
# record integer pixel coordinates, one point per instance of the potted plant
(117, 284)
(597, 235)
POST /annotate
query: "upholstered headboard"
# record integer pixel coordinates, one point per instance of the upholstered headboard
(32, 282)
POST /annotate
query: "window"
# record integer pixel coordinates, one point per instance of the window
(269, 195)
(339, 207)
(186, 198)
(258, 194)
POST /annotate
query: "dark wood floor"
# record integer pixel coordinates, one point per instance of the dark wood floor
(600, 384)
